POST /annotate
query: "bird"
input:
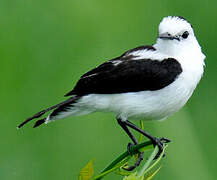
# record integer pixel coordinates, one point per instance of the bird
(149, 82)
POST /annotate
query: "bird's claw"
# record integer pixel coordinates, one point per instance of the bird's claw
(165, 140)
(160, 143)
(156, 141)
(137, 163)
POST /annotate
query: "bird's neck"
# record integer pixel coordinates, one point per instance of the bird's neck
(177, 49)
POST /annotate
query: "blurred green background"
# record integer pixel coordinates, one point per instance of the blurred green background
(45, 46)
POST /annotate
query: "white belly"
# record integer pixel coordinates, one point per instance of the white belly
(146, 105)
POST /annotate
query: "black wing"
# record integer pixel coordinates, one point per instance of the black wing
(123, 74)
(128, 76)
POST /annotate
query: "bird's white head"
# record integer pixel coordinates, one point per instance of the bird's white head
(176, 35)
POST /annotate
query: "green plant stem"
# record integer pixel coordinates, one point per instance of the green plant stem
(102, 174)
(148, 166)
(142, 127)
(134, 150)
(123, 158)
(157, 161)
(148, 162)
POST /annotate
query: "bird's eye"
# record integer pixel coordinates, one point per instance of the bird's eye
(185, 34)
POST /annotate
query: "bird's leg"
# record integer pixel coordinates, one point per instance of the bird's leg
(156, 141)
(140, 158)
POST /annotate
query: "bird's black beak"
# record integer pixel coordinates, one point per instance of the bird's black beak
(168, 36)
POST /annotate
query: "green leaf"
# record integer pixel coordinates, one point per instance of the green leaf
(142, 127)
(153, 174)
(121, 161)
(148, 162)
(157, 161)
(109, 170)
(133, 176)
(87, 172)
(122, 172)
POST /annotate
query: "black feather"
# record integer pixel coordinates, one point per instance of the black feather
(108, 66)
(39, 114)
(39, 122)
(61, 109)
(128, 76)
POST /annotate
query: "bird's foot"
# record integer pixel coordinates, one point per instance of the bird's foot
(129, 147)
(137, 163)
(160, 143)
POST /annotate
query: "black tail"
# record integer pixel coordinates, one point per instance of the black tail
(39, 114)
(39, 122)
